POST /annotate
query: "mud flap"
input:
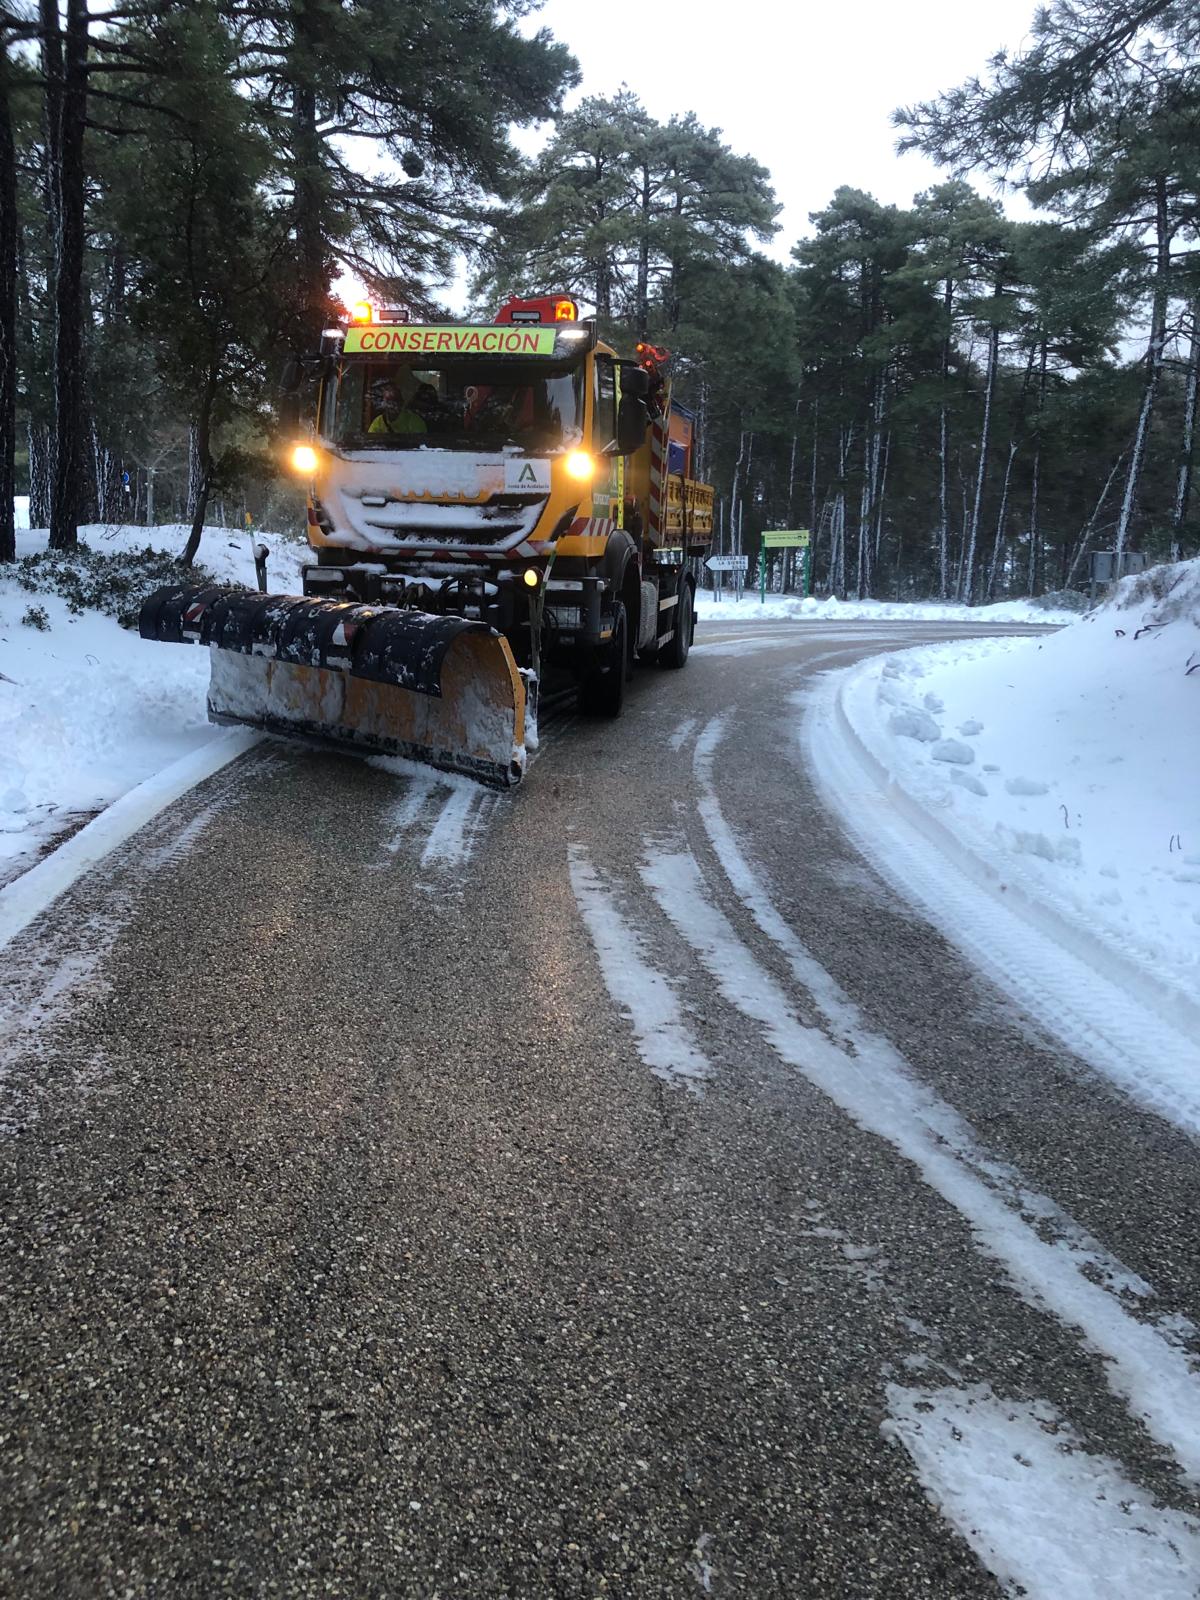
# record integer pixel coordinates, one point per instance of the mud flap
(376, 679)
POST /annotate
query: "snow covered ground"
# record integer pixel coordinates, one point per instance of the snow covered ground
(87, 710)
(794, 608)
(1067, 769)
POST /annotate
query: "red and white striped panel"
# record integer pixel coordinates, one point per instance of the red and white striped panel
(658, 477)
(591, 527)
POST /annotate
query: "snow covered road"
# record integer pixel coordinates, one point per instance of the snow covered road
(616, 1187)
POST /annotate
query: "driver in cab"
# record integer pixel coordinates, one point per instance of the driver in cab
(395, 416)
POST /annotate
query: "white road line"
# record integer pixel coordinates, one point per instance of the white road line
(1147, 1364)
(29, 895)
(1037, 1508)
(664, 1042)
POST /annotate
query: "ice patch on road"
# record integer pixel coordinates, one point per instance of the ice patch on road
(1038, 1509)
(646, 997)
(749, 646)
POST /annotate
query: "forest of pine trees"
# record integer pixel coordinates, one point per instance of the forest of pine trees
(957, 404)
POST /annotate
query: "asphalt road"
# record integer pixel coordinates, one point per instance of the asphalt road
(353, 1245)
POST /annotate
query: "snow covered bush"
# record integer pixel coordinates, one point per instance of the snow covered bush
(114, 583)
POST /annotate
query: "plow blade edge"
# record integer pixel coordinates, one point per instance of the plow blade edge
(374, 679)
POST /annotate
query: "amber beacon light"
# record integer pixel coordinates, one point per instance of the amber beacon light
(304, 460)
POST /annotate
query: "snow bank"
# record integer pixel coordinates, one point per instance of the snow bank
(1070, 763)
(793, 608)
(87, 709)
(225, 553)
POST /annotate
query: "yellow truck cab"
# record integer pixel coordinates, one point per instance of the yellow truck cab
(520, 473)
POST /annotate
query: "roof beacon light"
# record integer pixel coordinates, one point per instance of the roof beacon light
(543, 308)
(361, 311)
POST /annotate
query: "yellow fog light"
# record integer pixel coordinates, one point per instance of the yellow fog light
(532, 577)
(580, 465)
(304, 460)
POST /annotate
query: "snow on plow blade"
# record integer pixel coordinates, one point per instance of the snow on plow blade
(443, 690)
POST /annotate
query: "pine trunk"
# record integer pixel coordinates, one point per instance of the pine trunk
(998, 546)
(69, 105)
(791, 498)
(643, 266)
(195, 470)
(1035, 532)
(1183, 482)
(967, 586)
(862, 583)
(943, 455)
(8, 314)
(881, 498)
(308, 176)
(38, 441)
(837, 554)
(203, 460)
(1154, 363)
(1086, 531)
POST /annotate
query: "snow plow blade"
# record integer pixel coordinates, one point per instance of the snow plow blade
(373, 679)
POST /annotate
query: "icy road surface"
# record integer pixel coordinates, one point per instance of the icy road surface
(613, 1188)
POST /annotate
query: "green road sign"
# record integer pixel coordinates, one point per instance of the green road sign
(783, 539)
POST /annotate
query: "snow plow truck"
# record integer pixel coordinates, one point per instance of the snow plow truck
(486, 504)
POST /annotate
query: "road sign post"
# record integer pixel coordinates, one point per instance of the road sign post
(782, 539)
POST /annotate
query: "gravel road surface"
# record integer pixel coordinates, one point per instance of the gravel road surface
(412, 1191)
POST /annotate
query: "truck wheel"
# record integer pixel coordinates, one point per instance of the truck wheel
(676, 652)
(602, 692)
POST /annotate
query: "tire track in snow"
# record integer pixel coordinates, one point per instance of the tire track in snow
(443, 816)
(874, 1050)
(1037, 1507)
(644, 994)
(1147, 1363)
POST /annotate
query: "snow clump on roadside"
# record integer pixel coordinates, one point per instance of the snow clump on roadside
(1075, 773)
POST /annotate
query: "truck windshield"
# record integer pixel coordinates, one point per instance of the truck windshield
(395, 402)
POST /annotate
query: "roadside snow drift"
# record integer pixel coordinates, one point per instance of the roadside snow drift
(798, 608)
(1069, 763)
(87, 709)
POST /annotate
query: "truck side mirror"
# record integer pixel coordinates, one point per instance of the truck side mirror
(635, 381)
(289, 412)
(633, 419)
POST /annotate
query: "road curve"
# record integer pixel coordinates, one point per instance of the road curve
(607, 1189)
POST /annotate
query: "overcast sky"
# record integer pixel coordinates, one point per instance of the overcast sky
(806, 89)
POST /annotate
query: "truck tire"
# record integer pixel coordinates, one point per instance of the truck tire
(602, 692)
(675, 653)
